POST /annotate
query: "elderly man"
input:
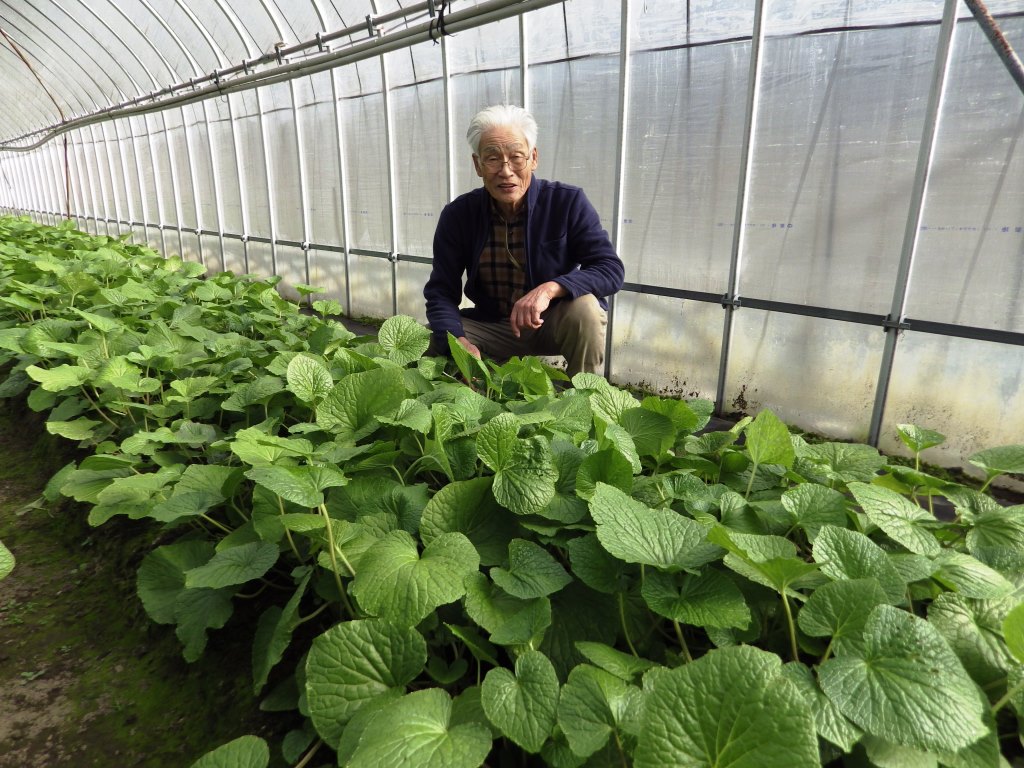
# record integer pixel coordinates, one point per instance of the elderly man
(538, 263)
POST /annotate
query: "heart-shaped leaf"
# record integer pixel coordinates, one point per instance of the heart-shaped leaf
(395, 582)
(523, 705)
(352, 663)
(905, 685)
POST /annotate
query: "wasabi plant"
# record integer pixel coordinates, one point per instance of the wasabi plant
(458, 563)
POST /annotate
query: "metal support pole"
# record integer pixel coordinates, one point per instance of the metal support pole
(389, 137)
(995, 36)
(742, 198)
(300, 148)
(524, 62)
(910, 234)
(625, 49)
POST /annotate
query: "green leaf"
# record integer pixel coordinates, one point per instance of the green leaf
(274, 634)
(605, 466)
(593, 705)
(233, 566)
(197, 610)
(969, 576)
(6, 561)
(403, 339)
(523, 705)
(510, 620)
(412, 414)
(768, 441)
(846, 554)
(996, 537)
(636, 533)
(847, 462)
(813, 506)
(906, 685)
(919, 439)
(417, 730)
(309, 379)
(840, 609)
(974, 630)
(469, 507)
(352, 407)
(904, 521)
(1013, 632)
(708, 600)
(79, 429)
(395, 582)
(1004, 460)
(531, 572)
(623, 665)
(352, 663)
(302, 485)
(524, 471)
(243, 752)
(653, 434)
(596, 567)
(731, 707)
(60, 377)
(253, 393)
(829, 721)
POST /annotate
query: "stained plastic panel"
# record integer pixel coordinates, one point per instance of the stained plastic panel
(666, 345)
(969, 267)
(370, 279)
(201, 166)
(817, 374)
(975, 394)
(839, 127)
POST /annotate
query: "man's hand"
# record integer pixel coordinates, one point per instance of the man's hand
(526, 313)
(469, 346)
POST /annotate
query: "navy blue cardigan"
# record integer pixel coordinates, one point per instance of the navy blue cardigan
(564, 242)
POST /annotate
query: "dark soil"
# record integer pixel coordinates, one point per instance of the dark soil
(86, 679)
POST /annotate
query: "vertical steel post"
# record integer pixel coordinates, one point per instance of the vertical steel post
(524, 62)
(625, 49)
(901, 288)
(392, 191)
(742, 197)
(300, 147)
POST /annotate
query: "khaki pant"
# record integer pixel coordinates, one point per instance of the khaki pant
(574, 329)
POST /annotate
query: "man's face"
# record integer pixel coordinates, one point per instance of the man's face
(503, 181)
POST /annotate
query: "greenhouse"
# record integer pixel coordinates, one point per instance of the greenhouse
(779, 524)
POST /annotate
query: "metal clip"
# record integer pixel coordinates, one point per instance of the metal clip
(370, 28)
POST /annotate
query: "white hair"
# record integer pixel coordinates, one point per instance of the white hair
(501, 116)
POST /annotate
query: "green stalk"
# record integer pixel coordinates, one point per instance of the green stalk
(1006, 698)
(332, 551)
(792, 626)
(625, 629)
(682, 640)
(750, 484)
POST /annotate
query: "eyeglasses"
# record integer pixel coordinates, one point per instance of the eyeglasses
(517, 161)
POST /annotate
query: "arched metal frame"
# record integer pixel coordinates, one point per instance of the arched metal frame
(35, 174)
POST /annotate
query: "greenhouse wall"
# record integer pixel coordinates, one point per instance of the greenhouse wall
(820, 205)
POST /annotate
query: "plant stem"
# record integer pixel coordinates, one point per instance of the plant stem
(625, 629)
(1006, 698)
(682, 640)
(792, 626)
(215, 524)
(309, 755)
(333, 552)
(313, 615)
(750, 484)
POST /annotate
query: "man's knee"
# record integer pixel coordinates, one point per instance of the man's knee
(584, 318)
